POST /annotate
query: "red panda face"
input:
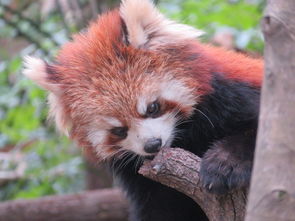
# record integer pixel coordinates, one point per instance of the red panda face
(144, 121)
(113, 89)
(133, 106)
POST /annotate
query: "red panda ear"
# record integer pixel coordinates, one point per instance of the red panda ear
(37, 70)
(41, 73)
(148, 28)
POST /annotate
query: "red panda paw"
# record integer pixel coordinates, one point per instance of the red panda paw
(221, 172)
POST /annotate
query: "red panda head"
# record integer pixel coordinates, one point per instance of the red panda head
(115, 87)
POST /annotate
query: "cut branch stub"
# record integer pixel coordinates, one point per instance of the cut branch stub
(179, 169)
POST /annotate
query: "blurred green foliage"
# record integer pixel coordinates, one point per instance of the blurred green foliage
(238, 17)
(54, 165)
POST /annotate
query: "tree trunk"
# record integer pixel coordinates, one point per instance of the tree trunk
(101, 205)
(272, 192)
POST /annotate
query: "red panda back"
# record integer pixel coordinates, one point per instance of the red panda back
(234, 65)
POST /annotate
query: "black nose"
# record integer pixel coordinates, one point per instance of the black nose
(152, 145)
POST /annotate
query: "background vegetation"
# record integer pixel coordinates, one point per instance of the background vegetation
(53, 165)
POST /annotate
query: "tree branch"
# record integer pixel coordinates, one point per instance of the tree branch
(179, 169)
(103, 205)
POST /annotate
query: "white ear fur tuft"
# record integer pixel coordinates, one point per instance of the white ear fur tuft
(56, 113)
(35, 69)
(148, 28)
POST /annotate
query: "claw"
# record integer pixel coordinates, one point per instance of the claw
(210, 186)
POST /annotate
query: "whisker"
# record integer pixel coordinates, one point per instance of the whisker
(138, 163)
(205, 117)
(130, 158)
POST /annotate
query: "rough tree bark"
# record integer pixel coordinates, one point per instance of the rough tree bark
(179, 169)
(102, 205)
(272, 194)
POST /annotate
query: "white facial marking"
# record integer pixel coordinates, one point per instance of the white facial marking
(175, 90)
(170, 90)
(114, 122)
(96, 137)
(161, 127)
(143, 102)
(98, 132)
(141, 106)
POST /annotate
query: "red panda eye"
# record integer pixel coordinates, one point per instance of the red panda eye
(153, 109)
(120, 132)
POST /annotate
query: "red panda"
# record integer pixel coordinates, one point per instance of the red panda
(135, 82)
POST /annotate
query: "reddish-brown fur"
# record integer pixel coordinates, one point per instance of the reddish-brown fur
(199, 61)
(235, 65)
(97, 64)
